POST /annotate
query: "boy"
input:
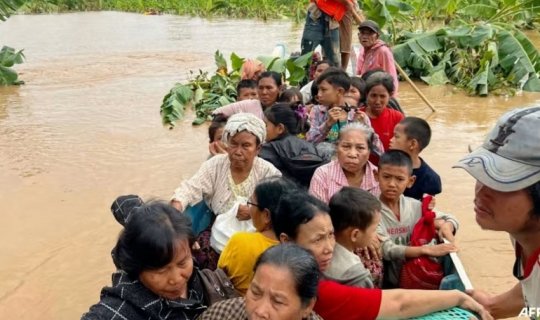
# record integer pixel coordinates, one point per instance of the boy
(412, 135)
(399, 214)
(507, 198)
(327, 119)
(355, 215)
(246, 89)
(215, 133)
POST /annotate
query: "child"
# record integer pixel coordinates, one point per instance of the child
(399, 214)
(412, 135)
(246, 89)
(356, 91)
(215, 132)
(320, 67)
(327, 119)
(355, 214)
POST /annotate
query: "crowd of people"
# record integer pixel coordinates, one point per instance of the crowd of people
(307, 203)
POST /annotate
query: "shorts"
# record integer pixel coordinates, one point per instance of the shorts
(345, 33)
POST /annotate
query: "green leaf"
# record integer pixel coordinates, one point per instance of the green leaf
(198, 121)
(267, 61)
(478, 10)
(278, 65)
(7, 76)
(236, 62)
(221, 63)
(517, 61)
(304, 60)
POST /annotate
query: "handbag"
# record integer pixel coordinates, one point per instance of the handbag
(422, 272)
(201, 217)
(217, 286)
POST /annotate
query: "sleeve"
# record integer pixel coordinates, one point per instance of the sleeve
(232, 262)
(390, 66)
(191, 191)
(306, 92)
(318, 186)
(391, 251)
(360, 276)
(336, 301)
(318, 129)
(448, 218)
(249, 106)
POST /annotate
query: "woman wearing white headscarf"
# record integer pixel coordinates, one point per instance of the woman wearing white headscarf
(224, 179)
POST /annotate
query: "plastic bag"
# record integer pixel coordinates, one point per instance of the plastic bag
(226, 225)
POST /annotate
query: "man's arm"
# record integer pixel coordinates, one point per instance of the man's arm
(505, 305)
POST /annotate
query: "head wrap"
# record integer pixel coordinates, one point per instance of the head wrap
(244, 122)
(251, 69)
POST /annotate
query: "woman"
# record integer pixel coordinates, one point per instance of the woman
(351, 168)
(297, 159)
(284, 287)
(242, 250)
(379, 89)
(155, 274)
(304, 220)
(268, 88)
(225, 179)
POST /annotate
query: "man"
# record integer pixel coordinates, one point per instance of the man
(322, 27)
(376, 54)
(507, 198)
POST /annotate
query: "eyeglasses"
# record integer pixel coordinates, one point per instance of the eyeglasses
(249, 203)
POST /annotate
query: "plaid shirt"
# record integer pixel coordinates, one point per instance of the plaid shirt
(129, 299)
(234, 309)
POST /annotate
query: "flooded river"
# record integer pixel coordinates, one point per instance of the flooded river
(86, 128)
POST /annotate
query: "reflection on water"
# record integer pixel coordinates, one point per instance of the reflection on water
(86, 128)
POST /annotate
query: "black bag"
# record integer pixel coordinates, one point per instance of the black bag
(217, 286)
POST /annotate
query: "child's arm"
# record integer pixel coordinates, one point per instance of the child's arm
(438, 250)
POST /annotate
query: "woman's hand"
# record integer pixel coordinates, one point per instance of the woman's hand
(177, 204)
(470, 304)
(243, 212)
(361, 117)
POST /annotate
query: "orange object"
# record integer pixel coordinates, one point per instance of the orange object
(333, 8)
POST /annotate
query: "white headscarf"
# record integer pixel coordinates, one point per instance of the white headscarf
(244, 122)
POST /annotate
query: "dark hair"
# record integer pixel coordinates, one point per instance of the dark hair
(380, 78)
(302, 265)
(271, 74)
(246, 83)
(396, 158)
(288, 94)
(353, 207)
(314, 92)
(294, 210)
(270, 190)
(149, 237)
(417, 128)
(219, 121)
(336, 77)
(290, 115)
(359, 84)
(324, 61)
(534, 191)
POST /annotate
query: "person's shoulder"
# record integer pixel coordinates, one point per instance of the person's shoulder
(227, 309)
(326, 168)
(265, 167)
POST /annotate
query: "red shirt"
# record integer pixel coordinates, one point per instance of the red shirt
(341, 302)
(384, 124)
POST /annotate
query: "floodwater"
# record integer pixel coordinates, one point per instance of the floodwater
(86, 128)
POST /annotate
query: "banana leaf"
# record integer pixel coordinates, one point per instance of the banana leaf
(416, 51)
(519, 60)
(479, 10)
(236, 62)
(8, 58)
(7, 7)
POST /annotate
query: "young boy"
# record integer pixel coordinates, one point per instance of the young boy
(399, 214)
(412, 135)
(246, 89)
(355, 215)
(215, 132)
(328, 118)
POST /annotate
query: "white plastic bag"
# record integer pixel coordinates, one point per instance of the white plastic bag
(226, 225)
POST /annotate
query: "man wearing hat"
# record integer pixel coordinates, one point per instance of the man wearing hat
(507, 198)
(376, 54)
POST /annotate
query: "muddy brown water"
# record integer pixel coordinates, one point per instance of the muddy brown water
(86, 128)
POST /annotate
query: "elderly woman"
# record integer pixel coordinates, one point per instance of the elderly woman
(225, 179)
(155, 275)
(351, 168)
(284, 287)
(304, 220)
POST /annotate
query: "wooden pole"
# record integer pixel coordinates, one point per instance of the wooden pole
(415, 88)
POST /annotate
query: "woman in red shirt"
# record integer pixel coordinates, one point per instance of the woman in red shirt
(304, 220)
(379, 89)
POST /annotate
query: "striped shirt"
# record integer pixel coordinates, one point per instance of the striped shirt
(330, 178)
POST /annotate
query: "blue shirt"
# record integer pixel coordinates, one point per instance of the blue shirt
(427, 181)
